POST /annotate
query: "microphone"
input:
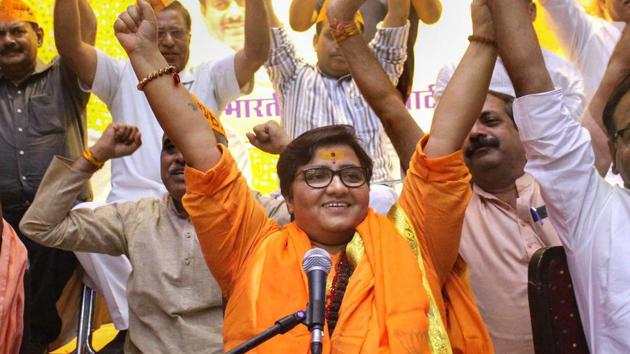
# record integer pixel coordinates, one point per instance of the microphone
(316, 264)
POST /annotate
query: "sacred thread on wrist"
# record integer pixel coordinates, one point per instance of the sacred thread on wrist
(483, 40)
(89, 156)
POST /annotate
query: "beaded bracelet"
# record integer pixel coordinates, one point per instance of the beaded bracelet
(341, 30)
(483, 40)
(87, 154)
(154, 75)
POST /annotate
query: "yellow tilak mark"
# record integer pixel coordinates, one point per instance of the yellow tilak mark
(331, 155)
(438, 338)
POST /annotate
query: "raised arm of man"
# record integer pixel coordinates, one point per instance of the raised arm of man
(136, 30)
(51, 221)
(256, 48)
(459, 109)
(74, 37)
(523, 59)
(464, 96)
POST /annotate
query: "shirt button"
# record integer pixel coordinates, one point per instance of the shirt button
(187, 261)
(23, 178)
(19, 92)
(21, 152)
(19, 110)
(188, 235)
(20, 129)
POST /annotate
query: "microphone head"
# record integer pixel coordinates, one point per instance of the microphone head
(316, 259)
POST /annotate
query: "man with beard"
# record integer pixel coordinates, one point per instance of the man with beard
(42, 114)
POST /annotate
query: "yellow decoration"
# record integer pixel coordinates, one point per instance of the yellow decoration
(331, 155)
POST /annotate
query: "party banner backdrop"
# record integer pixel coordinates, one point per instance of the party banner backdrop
(217, 29)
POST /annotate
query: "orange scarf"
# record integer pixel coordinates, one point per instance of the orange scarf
(384, 307)
(13, 260)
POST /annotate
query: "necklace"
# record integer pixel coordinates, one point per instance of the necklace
(338, 289)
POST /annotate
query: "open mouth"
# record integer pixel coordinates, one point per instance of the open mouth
(336, 205)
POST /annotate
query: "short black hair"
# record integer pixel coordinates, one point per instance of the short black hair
(301, 150)
(178, 7)
(608, 116)
(508, 101)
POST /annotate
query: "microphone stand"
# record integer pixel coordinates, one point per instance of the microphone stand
(282, 326)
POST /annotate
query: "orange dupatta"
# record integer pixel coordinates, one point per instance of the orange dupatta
(13, 260)
(384, 307)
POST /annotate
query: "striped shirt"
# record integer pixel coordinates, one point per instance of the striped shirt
(310, 99)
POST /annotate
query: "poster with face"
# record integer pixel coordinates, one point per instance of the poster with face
(218, 30)
(225, 20)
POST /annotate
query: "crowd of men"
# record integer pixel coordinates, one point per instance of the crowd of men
(526, 150)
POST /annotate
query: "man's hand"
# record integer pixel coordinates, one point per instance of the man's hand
(482, 23)
(136, 29)
(342, 10)
(118, 140)
(269, 137)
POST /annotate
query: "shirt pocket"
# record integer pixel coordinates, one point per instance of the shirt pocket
(44, 117)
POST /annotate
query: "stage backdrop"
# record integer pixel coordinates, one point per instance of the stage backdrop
(218, 29)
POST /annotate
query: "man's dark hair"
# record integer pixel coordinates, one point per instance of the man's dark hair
(509, 103)
(301, 150)
(177, 6)
(609, 111)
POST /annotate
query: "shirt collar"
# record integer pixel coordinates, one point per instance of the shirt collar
(341, 78)
(171, 206)
(523, 183)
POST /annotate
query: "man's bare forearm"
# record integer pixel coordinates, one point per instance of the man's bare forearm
(519, 48)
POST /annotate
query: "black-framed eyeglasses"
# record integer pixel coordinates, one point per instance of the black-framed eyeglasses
(321, 177)
(624, 134)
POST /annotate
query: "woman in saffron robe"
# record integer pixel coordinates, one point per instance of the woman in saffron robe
(398, 284)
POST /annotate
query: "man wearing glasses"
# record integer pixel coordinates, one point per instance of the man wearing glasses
(591, 217)
(216, 83)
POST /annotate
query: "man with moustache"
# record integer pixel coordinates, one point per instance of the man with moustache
(175, 305)
(42, 114)
(505, 223)
(215, 82)
(225, 20)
